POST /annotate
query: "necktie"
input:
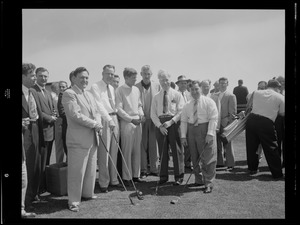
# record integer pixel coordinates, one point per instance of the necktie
(110, 98)
(32, 106)
(165, 102)
(195, 113)
(183, 96)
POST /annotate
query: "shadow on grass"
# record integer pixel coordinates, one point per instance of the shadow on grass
(50, 204)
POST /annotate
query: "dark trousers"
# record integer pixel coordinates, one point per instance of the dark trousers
(45, 160)
(172, 139)
(280, 130)
(261, 130)
(33, 161)
(64, 127)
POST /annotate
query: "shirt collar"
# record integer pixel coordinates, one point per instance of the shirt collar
(40, 86)
(25, 89)
(80, 91)
(125, 85)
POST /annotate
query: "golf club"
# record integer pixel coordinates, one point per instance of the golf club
(161, 158)
(138, 193)
(174, 201)
(115, 168)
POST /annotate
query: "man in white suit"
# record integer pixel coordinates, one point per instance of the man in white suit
(149, 147)
(84, 126)
(228, 109)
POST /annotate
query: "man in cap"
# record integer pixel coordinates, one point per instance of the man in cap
(260, 129)
(182, 83)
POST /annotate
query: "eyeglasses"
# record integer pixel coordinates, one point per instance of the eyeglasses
(223, 83)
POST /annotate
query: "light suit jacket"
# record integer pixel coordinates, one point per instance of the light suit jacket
(228, 108)
(82, 116)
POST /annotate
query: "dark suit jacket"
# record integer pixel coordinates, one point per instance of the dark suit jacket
(25, 114)
(46, 107)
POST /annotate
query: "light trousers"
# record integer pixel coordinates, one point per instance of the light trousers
(81, 173)
(107, 172)
(131, 136)
(206, 152)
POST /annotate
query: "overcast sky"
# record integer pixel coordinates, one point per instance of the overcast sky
(199, 43)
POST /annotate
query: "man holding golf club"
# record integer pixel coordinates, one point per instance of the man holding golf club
(104, 95)
(165, 113)
(84, 126)
(199, 118)
(129, 108)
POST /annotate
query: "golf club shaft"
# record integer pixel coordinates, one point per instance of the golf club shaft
(119, 148)
(115, 167)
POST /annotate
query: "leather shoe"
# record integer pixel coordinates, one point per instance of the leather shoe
(162, 181)
(116, 185)
(74, 208)
(252, 172)
(207, 190)
(103, 190)
(94, 197)
(28, 215)
(143, 175)
(138, 180)
(220, 166)
(178, 182)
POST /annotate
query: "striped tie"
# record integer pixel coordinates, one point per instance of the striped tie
(32, 106)
(195, 113)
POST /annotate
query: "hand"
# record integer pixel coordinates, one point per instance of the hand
(135, 121)
(209, 138)
(163, 130)
(241, 115)
(98, 128)
(25, 123)
(142, 119)
(111, 124)
(54, 118)
(184, 142)
(168, 123)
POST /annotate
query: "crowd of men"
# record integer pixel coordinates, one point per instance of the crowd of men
(144, 123)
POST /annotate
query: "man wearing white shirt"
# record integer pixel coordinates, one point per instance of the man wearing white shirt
(104, 95)
(199, 118)
(182, 83)
(129, 108)
(165, 114)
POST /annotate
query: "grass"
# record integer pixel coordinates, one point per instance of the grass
(235, 195)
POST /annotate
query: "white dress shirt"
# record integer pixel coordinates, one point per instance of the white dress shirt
(175, 105)
(206, 111)
(99, 91)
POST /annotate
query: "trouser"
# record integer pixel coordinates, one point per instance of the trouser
(280, 131)
(206, 152)
(131, 136)
(172, 139)
(81, 173)
(261, 130)
(33, 161)
(59, 149)
(225, 152)
(45, 160)
(107, 172)
(64, 127)
(24, 186)
(149, 147)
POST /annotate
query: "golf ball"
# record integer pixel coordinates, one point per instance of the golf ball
(140, 193)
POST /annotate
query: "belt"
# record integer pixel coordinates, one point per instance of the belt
(164, 116)
(191, 124)
(112, 113)
(260, 116)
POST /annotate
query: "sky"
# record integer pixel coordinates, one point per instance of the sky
(199, 43)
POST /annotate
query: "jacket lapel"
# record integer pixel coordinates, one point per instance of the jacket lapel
(24, 103)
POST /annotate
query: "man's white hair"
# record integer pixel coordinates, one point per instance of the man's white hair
(162, 74)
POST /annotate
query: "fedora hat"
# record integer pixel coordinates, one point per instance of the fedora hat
(181, 78)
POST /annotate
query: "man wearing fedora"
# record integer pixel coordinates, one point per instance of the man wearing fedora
(182, 83)
(260, 128)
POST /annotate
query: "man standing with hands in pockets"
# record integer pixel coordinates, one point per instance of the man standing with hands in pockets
(199, 118)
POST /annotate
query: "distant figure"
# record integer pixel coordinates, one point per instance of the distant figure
(115, 81)
(205, 87)
(241, 93)
(216, 87)
(173, 85)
